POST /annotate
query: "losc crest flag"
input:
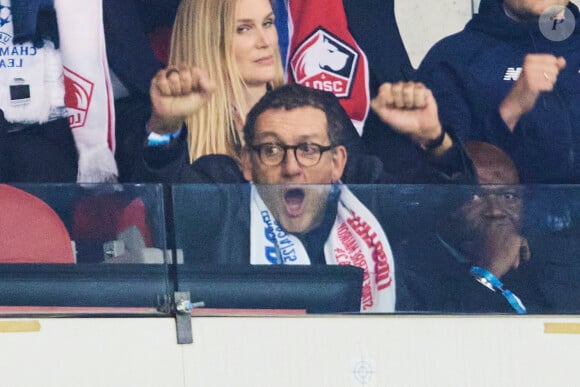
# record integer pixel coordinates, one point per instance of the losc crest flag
(323, 54)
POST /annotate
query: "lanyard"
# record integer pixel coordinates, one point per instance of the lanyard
(489, 280)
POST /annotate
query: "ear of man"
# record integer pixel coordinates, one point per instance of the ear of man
(339, 157)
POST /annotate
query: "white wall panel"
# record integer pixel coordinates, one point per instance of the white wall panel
(423, 23)
(321, 351)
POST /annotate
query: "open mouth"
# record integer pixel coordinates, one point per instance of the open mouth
(293, 199)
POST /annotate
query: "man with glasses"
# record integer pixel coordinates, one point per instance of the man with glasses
(407, 107)
(297, 141)
(299, 212)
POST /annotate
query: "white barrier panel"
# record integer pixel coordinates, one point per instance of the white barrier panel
(337, 351)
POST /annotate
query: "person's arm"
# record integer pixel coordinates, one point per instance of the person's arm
(463, 107)
(488, 234)
(499, 250)
(411, 110)
(478, 286)
(539, 74)
(165, 162)
(169, 163)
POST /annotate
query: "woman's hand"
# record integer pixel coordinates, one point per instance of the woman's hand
(177, 92)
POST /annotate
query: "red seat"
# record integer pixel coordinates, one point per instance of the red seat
(30, 231)
(104, 217)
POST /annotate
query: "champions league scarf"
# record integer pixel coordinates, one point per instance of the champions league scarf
(356, 239)
(32, 89)
(323, 54)
(31, 86)
(88, 92)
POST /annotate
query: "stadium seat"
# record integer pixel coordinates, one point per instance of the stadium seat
(30, 230)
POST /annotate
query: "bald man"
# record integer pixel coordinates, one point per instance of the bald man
(487, 227)
(491, 164)
(477, 259)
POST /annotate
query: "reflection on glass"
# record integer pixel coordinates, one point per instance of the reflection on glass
(79, 230)
(415, 248)
(103, 223)
(305, 224)
(289, 225)
(454, 249)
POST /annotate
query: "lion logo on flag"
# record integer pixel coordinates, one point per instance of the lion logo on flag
(78, 97)
(322, 61)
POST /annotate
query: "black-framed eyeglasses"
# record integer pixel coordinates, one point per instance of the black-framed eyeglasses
(307, 154)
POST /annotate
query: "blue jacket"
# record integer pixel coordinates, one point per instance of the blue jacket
(472, 71)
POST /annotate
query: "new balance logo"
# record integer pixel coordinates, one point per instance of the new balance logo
(512, 73)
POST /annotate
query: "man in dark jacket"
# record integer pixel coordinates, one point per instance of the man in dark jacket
(408, 108)
(296, 211)
(477, 260)
(511, 78)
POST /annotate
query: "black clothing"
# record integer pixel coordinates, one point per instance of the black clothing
(37, 153)
(435, 281)
(170, 164)
(373, 25)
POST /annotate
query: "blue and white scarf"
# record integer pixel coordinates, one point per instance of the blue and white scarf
(356, 239)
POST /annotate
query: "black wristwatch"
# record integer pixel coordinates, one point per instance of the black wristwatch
(436, 142)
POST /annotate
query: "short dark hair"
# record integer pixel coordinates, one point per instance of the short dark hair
(293, 96)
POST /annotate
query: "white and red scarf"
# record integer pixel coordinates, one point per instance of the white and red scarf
(356, 239)
(323, 54)
(88, 92)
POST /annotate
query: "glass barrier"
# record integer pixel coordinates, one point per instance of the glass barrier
(67, 249)
(388, 248)
(70, 249)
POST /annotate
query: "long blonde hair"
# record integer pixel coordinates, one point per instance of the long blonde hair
(203, 34)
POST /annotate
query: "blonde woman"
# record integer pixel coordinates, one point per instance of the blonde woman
(224, 57)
